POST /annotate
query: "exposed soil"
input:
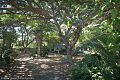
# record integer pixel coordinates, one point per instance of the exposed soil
(26, 68)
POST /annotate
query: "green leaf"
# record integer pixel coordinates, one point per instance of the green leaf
(114, 13)
(103, 7)
(68, 23)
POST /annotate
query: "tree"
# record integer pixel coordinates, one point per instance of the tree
(70, 16)
(25, 34)
(41, 30)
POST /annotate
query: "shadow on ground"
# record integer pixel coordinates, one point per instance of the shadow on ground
(27, 68)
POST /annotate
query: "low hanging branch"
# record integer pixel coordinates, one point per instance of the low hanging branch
(15, 6)
(25, 20)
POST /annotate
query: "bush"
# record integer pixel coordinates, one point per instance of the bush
(32, 51)
(7, 54)
(94, 68)
(45, 51)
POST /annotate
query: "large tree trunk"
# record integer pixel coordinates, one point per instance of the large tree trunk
(39, 43)
(69, 56)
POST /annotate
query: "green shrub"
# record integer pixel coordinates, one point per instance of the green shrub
(33, 51)
(45, 51)
(93, 68)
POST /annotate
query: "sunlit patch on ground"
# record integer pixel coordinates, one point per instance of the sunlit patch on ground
(24, 59)
(44, 66)
(1, 70)
(78, 58)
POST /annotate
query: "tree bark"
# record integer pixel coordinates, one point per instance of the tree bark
(39, 43)
(69, 56)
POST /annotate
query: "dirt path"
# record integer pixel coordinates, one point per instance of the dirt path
(38, 69)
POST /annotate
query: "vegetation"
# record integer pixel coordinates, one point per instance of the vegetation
(103, 60)
(41, 27)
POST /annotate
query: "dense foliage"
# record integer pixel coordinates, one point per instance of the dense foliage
(38, 27)
(103, 42)
(7, 53)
